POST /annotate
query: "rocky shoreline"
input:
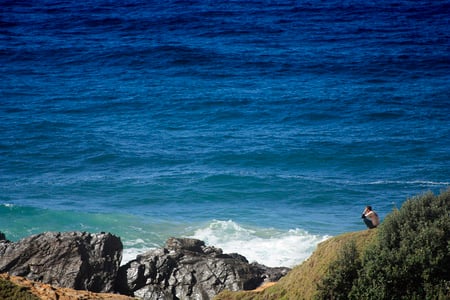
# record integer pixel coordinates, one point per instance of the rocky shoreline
(182, 269)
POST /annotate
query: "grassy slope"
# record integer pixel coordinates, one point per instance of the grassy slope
(300, 283)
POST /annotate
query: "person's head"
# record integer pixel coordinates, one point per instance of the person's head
(369, 208)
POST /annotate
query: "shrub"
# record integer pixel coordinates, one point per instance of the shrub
(410, 259)
(10, 291)
(338, 281)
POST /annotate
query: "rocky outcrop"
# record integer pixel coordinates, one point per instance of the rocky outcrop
(183, 269)
(77, 260)
(187, 269)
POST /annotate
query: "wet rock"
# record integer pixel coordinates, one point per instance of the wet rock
(187, 269)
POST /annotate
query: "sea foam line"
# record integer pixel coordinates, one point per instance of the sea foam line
(273, 248)
(420, 182)
(268, 246)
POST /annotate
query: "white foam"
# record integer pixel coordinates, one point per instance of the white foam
(273, 248)
(130, 254)
(132, 249)
(412, 182)
(268, 246)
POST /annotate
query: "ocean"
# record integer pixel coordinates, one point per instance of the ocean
(260, 127)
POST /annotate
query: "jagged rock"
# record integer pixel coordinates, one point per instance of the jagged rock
(77, 260)
(271, 274)
(187, 269)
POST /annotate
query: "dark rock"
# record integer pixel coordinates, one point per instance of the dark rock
(177, 244)
(271, 274)
(76, 260)
(187, 269)
(2, 237)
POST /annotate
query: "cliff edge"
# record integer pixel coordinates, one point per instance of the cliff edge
(301, 281)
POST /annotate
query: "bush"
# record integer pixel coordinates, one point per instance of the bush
(410, 259)
(338, 281)
(10, 291)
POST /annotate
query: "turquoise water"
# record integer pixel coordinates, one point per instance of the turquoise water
(256, 125)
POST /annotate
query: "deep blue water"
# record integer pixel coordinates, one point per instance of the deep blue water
(267, 123)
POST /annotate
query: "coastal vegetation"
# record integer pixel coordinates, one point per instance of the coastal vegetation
(11, 291)
(406, 257)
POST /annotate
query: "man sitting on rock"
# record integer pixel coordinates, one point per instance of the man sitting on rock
(370, 217)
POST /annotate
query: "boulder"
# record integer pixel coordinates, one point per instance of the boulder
(77, 260)
(188, 269)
